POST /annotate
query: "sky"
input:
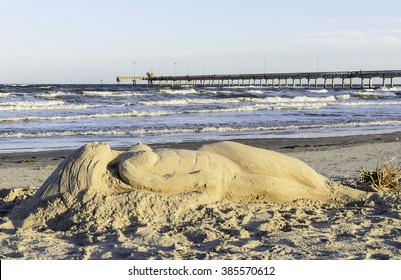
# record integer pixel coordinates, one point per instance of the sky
(85, 41)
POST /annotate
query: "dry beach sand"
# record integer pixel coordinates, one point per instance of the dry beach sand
(142, 223)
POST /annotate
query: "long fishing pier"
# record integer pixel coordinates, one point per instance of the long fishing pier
(364, 79)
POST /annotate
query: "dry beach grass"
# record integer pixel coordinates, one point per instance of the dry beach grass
(385, 178)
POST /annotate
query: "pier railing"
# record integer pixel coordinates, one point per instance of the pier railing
(272, 79)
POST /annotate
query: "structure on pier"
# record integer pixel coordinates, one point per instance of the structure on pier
(271, 79)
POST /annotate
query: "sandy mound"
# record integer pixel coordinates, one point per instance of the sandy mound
(115, 188)
(223, 171)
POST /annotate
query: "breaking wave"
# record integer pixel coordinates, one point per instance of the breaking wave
(206, 129)
(112, 93)
(179, 91)
(42, 106)
(93, 116)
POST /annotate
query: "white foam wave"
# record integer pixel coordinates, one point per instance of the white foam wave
(111, 93)
(261, 107)
(256, 91)
(374, 93)
(343, 97)
(54, 94)
(4, 94)
(41, 106)
(248, 108)
(390, 89)
(269, 103)
(306, 99)
(274, 99)
(96, 133)
(98, 93)
(93, 116)
(212, 91)
(386, 94)
(300, 99)
(370, 103)
(179, 91)
(318, 90)
(206, 129)
(187, 101)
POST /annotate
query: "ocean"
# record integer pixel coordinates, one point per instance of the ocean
(54, 117)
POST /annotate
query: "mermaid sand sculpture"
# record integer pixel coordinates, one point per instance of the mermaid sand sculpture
(225, 170)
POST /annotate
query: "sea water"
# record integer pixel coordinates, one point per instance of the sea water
(47, 117)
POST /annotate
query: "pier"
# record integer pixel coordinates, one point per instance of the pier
(310, 79)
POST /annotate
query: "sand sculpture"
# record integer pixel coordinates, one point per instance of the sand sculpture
(225, 171)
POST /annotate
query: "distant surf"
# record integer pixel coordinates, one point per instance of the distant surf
(40, 117)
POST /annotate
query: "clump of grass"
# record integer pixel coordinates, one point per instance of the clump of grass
(386, 177)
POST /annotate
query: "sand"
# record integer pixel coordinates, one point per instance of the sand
(151, 225)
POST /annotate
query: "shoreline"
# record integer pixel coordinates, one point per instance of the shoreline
(275, 144)
(337, 158)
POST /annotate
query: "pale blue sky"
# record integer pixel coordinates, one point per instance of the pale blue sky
(83, 41)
